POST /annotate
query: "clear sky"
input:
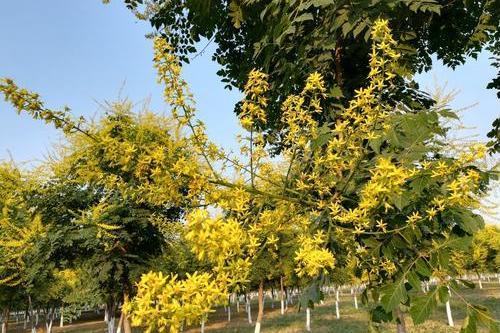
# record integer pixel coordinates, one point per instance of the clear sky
(80, 53)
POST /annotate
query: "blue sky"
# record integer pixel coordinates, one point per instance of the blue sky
(79, 53)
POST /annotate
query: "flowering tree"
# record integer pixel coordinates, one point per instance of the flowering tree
(368, 183)
(373, 182)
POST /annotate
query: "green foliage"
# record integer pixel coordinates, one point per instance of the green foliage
(290, 39)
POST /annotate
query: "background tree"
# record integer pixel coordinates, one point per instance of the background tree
(290, 39)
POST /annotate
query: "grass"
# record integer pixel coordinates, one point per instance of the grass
(351, 320)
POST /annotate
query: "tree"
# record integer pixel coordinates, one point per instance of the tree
(290, 39)
(352, 180)
(374, 185)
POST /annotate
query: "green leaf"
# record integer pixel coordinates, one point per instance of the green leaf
(420, 183)
(422, 268)
(392, 136)
(322, 3)
(470, 324)
(459, 243)
(448, 113)
(414, 281)
(465, 219)
(379, 315)
(443, 293)
(304, 17)
(375, 144)
(336, 92)
(324, 136)
(467, 283)
(393, 295)
(346, 28)
(422, 307)
(359, 28)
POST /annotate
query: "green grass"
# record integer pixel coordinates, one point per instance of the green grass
(351, 320)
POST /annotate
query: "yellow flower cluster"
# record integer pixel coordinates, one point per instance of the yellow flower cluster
(363, 118)
(165, 304)
(461, 189)
(253, 108)
(312, 258)
(214, 239)
(387, 179)
(141, 156)
(17, 239)
(298, 112)
(24, 100)
(169, 69)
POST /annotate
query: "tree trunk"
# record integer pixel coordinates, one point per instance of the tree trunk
(229, 309)
(308, 319)
(448, 310)
(61, 319)
(111, 306)
(202, 329)
(355, 298)
(249, 309)
(237, 303)
(260, 314)
(5, 319)
(127, 327)
(282, 296)
(479, 280)
(49, 319)
(32, 317)
(120, 323)
(287, 298)
(337, 311)
(106, 313)
(401, 325)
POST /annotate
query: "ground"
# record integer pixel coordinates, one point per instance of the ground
(323, 317)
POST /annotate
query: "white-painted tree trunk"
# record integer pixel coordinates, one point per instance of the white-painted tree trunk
(111, 322)
(106, 316)
(249, 310)
(308, 319)
(237, 304)
(5, 319)
(479, 281)
(355, 300)
(257, 327)
(337, 311)
(448, 310)
(61, 319)
(282, 296)
(229, 312)
(448, 314)
(202, 329)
